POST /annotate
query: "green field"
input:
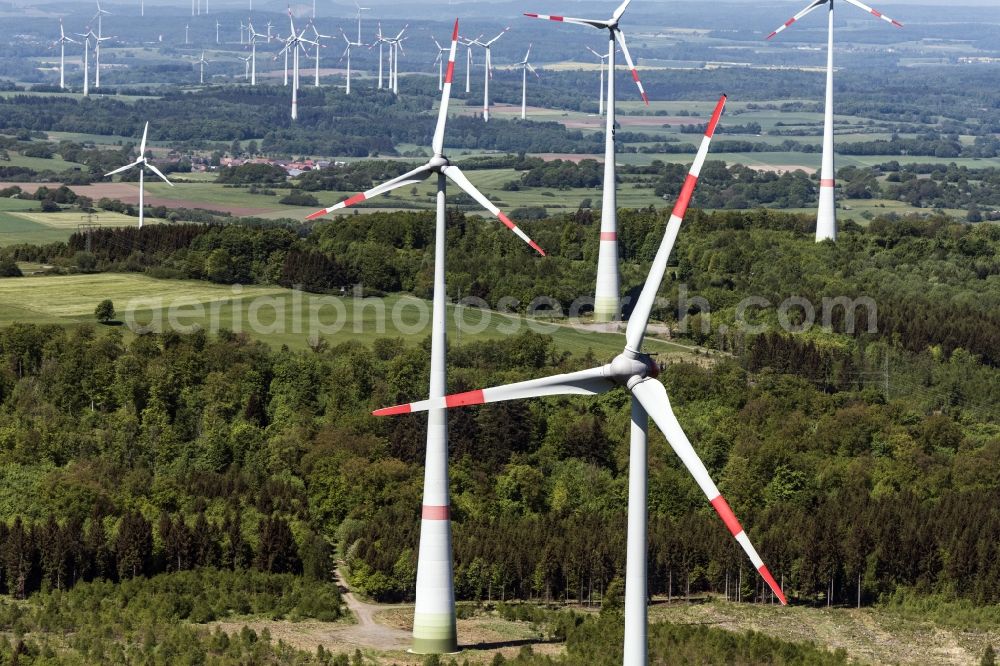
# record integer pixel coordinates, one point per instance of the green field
(274, 315)
(21, 221)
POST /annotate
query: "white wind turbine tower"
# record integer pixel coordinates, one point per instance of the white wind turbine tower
(439, 61)
(186, 40)
(360, 9)
(468, 44)
(217, 26)
(63, 40)
(246, 67)
(347, 54)
(318, 36)
(243, 29)
(201, 63)
(87, 36)
(380, 40)
(826, 215)
(143, 164)
(600, 99)
(97, 47)
(636, 372)
(253, 52)
(525, 66)
(488, 73)
(607, 303)
(294, 44)
(142, 7)
(395, 46)
(434, 613)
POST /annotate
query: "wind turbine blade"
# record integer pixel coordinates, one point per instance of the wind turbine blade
(502, 33)
(459, 178)
(586, 382)
(637, 323)
(784, 26)
(621, 10)
(532, 70)
(528, 54)
(409, 178)
(160, 174)
(653, 397)
(876, 13)
(438, 143)
(628, 59)
(124, 168)
(142, 146)
(595, 53)
(568, 19)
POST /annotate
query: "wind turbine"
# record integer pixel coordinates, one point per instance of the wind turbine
(395, 46)
(143, 164)
(86, 58)
(317, 37)
(434, 614)
(468, 44)
(242, 31)
(142, 8)
(637, 373)
(380, 40)
(246, 67)
(63, 39)
(360, 9)
(186, 40)
(347, 54)
(201, 62)
(217, 26)
(253, 52)
(439, 61)
(525, 66)
(607, 304)
(488, 74)
(268, 26)
(97, 47)
(826, 215)
(294, 44)
(600, 98)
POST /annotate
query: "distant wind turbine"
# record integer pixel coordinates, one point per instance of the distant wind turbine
(143, 164)
(826, 214)
(63, 39)
(525, 67)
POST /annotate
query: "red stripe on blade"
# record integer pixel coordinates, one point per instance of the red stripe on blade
(684, 200)
(506, 220)
(531, 15)
(728, 517)
(555, 18)
(609, 235)
(789, 22)
(772, 35)
(435, 512)
(827, 182)
(716, 115)
(645, 98)
(769, 579)
(451, 72)
(897, 23)
(635, 76)
(875, 12)
(464, 399)
(535, 247)
(319, 213)
(454, 33)
(356, 199)
(393, 411)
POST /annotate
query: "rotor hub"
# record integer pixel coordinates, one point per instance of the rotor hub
(438, 162)
(627, 367)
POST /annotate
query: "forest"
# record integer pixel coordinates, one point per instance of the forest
(860, 459)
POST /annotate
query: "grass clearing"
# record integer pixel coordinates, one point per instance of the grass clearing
(275, 315)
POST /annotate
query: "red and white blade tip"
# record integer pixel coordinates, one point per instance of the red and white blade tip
(722, 507)
(454, 33)
(716, 116)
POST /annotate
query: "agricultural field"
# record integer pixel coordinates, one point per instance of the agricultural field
(274, 315)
